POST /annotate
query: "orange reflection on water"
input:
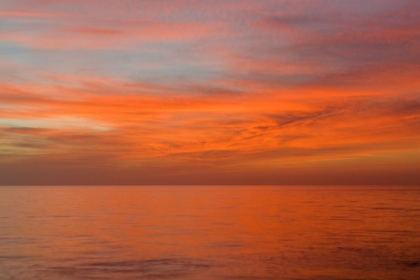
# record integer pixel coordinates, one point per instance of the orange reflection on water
(210, 232)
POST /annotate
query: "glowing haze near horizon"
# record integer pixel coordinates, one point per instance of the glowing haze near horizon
(209, 92)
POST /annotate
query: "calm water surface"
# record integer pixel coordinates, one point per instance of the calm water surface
(212, 232)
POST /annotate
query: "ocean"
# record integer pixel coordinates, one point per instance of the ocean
(210, 232)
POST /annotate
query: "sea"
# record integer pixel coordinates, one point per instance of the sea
(209, 232)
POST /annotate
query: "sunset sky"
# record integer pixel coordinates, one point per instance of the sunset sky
(209, 92)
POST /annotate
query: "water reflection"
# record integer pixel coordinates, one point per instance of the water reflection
(198, 232)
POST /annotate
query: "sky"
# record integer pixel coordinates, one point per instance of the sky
(209, 92)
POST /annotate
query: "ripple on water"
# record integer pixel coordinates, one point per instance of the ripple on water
(145, 269)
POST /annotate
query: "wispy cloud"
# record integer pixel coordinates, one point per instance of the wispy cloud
(204, 88)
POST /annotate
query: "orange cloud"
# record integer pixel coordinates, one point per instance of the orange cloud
(260, 92)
